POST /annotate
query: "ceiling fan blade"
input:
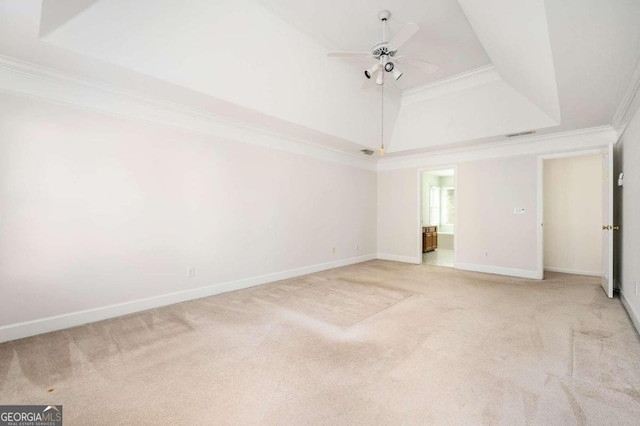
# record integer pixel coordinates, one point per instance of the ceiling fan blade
(425, 66)
(347, 54)
(403, 35)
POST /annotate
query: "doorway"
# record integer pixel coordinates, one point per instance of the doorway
(438, 217)
(575, 214)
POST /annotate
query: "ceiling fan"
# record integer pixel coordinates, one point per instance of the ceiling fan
(384, 51)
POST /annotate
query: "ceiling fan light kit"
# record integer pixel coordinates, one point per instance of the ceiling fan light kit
(371, 70)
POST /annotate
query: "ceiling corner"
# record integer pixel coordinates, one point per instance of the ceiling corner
(55, 13)
(516, 38)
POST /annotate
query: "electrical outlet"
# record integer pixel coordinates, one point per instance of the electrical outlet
(334, 250)
(191, 272)
(486, 253)
(357, 247)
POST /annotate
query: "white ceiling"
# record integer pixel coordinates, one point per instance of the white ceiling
(595, 45)
(234, 50)
(445, 37)
(505, 66)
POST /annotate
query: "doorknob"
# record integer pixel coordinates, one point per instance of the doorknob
(615, 228)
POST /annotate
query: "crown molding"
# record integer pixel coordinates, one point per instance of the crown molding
(622, 117)
(594, 137)
(33, 80)
(463, 81)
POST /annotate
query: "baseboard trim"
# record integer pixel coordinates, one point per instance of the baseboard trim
(635, 319)
(521, 273)
(73, 319)
(403, 259)
(573, 271)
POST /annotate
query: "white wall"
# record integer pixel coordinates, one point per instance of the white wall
(506, 178)
(398, 215)
(487, 192)
(628, 205)
(488, 231)
(97, 210)
(573, 215)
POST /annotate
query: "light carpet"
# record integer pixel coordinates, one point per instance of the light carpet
(374, 343)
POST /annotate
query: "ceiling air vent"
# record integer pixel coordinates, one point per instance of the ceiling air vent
(529, 132)
(367, 151)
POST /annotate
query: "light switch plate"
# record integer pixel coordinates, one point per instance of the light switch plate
(520, 210)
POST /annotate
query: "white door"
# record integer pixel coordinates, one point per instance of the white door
(607, 221)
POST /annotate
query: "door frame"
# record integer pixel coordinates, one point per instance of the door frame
(422, 170)
(540, 195)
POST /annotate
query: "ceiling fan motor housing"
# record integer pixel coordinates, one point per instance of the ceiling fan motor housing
(382, 49)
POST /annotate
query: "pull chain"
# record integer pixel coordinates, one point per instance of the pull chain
(382, 120)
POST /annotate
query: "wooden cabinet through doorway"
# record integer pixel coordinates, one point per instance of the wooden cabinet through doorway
(429, 238)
